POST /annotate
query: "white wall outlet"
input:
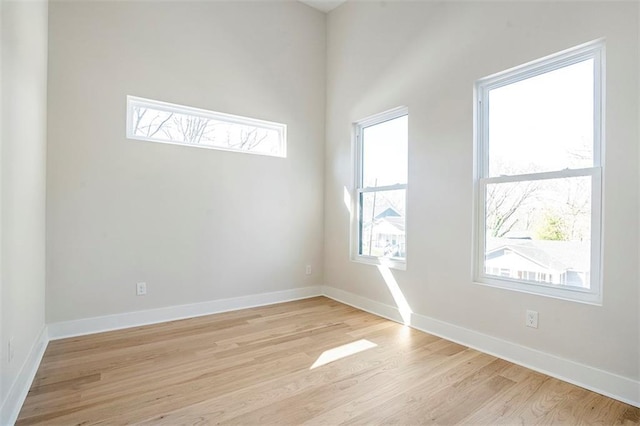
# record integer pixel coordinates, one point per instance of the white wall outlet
(12, 349)
(308, 270)
(532, 319)
(141, 289)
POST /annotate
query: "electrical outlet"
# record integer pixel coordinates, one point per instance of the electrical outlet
(11, 350)
(141, 289)
(308, 270)
(532, 319)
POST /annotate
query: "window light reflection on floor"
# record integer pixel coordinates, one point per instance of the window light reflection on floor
(343, 351)
(398, 296)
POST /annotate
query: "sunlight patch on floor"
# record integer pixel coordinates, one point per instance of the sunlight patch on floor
(343, 351)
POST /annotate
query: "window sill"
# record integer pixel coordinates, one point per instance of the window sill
(555, 292)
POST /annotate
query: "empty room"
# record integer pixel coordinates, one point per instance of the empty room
(319, 212)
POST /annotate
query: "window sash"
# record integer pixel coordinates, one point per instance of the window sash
(595, 173)
(566, 173)
(358, 132)
(357, 220)
(383, 188)
(360, 219)
(594, 50)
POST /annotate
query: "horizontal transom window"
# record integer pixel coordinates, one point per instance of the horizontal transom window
(163, 122)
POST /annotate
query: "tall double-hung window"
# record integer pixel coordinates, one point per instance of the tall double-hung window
(538, 176)
(381, 188)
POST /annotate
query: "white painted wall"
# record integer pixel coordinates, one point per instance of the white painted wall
(195, 224)
(427, 56)
(22, 185)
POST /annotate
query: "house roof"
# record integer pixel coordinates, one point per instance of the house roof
(388, 225)
(387, 207)
(396, 221)
(389, 211)
(556, 255)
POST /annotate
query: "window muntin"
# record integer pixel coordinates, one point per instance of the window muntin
(538, 176)
(381, 187)
(169, 123)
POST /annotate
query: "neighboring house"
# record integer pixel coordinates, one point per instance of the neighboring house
(553, 262)
(388, 237)
(388, 233)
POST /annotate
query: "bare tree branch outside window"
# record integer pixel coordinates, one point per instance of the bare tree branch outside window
(185, 125)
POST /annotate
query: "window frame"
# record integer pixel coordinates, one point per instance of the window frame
(593, 50)
(359, 190)
(133, 101)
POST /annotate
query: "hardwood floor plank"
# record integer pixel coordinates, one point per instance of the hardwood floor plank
(543, 400)
(263, 366)
(428, 400)
(505, 402)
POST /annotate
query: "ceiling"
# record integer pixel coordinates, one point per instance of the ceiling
(323, 5)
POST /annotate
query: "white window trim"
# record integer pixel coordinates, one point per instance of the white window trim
(593, 50)
(133, 101)
(394, 263)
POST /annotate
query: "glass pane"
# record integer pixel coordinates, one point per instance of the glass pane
(543, 123)
(384, 153)
(540, 231)
(382, 224)
(174, 123)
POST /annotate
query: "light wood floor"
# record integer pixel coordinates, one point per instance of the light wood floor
(255, 367)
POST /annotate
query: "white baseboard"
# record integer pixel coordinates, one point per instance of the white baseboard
(20, 388)
(363, 303)
(63, 329)
(603, 382)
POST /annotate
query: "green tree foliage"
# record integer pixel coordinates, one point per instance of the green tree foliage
(553, 227)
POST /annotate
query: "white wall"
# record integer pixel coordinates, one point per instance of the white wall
(427, 56)
(22, 190)
(194, 224)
